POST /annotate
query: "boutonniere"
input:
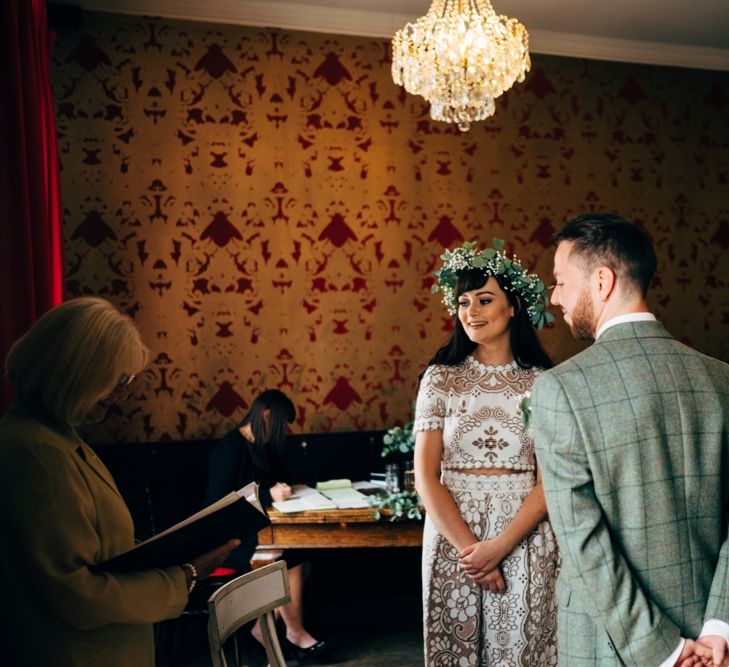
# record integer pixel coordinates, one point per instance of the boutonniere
(525, 407)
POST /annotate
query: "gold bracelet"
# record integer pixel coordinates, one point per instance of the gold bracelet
(193, 569)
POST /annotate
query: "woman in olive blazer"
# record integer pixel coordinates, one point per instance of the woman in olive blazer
(61, 510)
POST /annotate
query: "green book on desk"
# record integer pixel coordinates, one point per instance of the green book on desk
(342, 493)
(330, 484)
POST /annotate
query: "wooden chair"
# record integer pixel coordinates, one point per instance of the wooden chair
(251, 596)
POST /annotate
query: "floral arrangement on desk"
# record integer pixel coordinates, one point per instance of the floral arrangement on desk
(400, 505)
(398, 440)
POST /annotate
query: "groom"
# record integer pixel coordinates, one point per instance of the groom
(632, 437)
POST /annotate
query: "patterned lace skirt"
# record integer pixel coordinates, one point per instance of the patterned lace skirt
(465, 625)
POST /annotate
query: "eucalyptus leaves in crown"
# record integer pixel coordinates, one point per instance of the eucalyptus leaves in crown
(527, 286)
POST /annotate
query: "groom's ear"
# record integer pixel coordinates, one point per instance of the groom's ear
(604, 282)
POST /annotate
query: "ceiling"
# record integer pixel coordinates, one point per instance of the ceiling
(656, 32)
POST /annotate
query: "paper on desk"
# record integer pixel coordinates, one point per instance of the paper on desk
(306, 499)
(347, 498)
(300, 490)
(303, 498)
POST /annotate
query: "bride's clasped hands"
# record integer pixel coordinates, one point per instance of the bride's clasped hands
(481, 560)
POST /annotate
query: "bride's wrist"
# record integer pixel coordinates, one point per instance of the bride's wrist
(503, 545)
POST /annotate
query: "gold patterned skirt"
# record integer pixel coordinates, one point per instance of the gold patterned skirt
(464, 624)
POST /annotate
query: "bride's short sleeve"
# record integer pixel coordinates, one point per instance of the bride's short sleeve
(430, 407)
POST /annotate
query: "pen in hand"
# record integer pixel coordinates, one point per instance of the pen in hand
(280, 491)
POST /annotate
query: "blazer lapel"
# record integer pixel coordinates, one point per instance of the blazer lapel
(94, 462)
(67, 437)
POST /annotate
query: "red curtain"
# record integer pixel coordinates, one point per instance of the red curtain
(31, 261)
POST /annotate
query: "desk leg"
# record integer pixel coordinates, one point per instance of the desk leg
(263, 557)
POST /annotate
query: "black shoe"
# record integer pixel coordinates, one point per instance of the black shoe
(312, 652)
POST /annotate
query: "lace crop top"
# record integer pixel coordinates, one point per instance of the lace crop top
(477, 408)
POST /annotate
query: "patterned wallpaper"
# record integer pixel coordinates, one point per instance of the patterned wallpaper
(269, 207)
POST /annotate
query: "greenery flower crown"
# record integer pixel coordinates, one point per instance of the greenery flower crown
(527, 286)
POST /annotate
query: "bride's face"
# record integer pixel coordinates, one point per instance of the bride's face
(485, 313)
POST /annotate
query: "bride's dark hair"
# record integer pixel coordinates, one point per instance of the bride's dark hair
(525, 345)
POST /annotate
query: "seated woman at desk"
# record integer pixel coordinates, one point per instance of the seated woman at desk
(252, 452)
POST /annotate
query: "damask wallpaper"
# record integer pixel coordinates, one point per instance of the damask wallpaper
(269, 207)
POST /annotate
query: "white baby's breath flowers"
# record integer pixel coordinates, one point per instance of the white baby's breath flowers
(527, 286)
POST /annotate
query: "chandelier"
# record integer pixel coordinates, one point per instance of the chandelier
(460, 57)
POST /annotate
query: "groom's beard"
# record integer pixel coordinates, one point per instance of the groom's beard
(583, 318)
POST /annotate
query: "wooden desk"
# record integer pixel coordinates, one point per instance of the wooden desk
(332, 529)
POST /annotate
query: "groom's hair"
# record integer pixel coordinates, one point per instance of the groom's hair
(606, 239)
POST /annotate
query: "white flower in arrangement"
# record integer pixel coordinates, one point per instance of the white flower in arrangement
(527, 286)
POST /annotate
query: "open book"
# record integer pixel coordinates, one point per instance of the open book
(233, 516)
(332, 494)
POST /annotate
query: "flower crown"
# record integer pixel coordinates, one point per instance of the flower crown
(527, 286)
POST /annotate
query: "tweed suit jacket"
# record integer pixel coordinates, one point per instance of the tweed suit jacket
(60, 512)
(632, 439)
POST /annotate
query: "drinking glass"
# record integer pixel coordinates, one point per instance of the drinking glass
(408, 479)
(392, 477)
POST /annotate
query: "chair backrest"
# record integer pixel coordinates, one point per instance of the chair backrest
(250, 596)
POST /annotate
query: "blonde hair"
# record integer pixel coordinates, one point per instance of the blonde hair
(73, 357)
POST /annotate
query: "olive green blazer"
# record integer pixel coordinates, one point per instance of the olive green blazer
(60, 513)
(632, 439)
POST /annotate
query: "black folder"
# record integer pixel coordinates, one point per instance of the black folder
(234, 516)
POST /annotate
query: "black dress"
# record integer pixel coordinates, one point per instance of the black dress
(230, 467)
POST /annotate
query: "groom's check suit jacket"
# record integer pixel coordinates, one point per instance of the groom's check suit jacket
(632, 437)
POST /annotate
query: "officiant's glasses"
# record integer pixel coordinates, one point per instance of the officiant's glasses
(125, 380)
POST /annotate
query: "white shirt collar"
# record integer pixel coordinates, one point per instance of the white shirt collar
(622, 319)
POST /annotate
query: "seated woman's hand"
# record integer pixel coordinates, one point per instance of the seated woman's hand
(280, 491)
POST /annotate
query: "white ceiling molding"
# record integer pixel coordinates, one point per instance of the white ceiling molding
(343, 21)
(626, 50)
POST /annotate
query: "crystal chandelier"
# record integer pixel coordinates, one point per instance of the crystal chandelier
(460, 57)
